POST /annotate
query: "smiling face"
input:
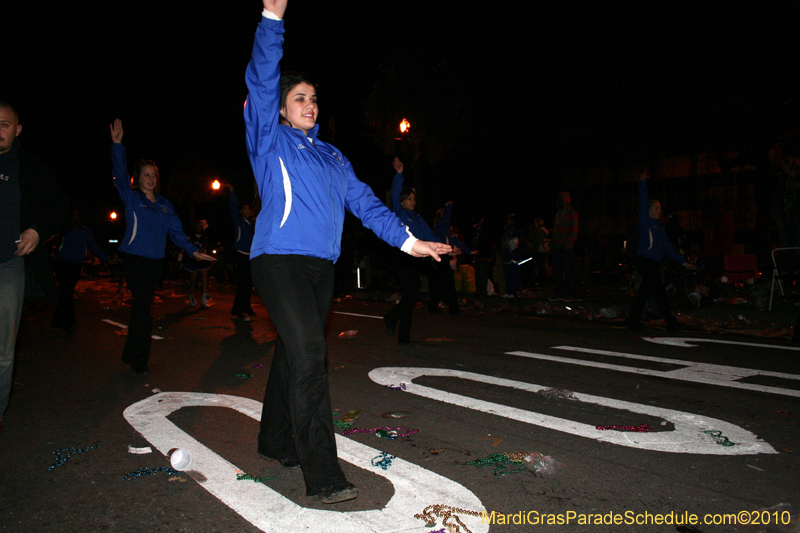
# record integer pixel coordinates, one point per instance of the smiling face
(410, 202)
(148, 179)
(300, 107)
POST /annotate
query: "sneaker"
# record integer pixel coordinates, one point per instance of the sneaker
(192, 301)
(335, 493)
(204, 299)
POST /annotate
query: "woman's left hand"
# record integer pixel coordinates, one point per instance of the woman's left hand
(430, 249)
(200, 256)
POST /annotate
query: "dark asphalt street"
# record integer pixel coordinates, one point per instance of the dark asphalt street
(473, 387)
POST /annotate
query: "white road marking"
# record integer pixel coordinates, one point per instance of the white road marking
(687, 437)
(683, 342)
(721, 375)
(414, 487)
(356, 314)
(123, 326)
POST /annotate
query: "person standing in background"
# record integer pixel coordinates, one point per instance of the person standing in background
(244, 228)
(562, 246)
(68, 264)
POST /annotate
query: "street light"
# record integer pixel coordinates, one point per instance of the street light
(113, 215)
(215, 185)
(405, 125)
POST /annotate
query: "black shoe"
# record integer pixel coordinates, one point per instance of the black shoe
(286, 463)
(144, 372)
(391, 327)
(407, 342)
(250, 312)
(335, 493)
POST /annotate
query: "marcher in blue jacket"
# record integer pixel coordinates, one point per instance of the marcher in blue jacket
(408, 269)
(244, 228)
(442, 279)
(150, 218)
(653, 245)
(305, 186)
(67, 267)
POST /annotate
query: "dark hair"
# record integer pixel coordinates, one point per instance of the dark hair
(137, 173)
(406, 193)
(6, 105)
(290, 80)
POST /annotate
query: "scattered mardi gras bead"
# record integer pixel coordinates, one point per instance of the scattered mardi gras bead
(500, 462)
(241, 476)
(642, 428)
(385, 432)
(384, 460)
(150, 471)
(243, 375)
(62, 457)
(720, 438)
(448, 515)
(342, 425)
(402, 386)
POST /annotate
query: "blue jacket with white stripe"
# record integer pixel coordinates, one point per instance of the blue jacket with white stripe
(243, 228)
(305, 184)
(148, 223)
(653, 240)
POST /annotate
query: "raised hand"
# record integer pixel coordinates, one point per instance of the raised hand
(430, 249)
(277, 7)
(116, 131)
(398, 165)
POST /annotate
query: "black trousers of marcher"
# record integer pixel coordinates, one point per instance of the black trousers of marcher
(244, 284)
(408, 270)
(67, 275)
(143, 275)
(652, 286)
(296, 420)
(442, 286)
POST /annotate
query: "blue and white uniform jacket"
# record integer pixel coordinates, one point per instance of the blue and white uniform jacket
(148, 223)
(305, 184)
(653, 240)
(243, 228)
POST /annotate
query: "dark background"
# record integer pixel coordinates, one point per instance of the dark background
(504, 100)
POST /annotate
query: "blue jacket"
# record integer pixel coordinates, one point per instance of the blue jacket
(445, 234)
(412, 219)
(73, 246)
(305, 184)
(148, 223)
(243, 229)
(653, 240)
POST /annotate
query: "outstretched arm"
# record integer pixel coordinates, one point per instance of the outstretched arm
(119, 163)
(430, 249)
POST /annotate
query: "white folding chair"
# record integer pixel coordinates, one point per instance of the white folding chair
(776, 275)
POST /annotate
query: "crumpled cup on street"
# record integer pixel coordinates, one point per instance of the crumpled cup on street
(542, 465)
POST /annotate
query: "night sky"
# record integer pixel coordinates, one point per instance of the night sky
(503, 100)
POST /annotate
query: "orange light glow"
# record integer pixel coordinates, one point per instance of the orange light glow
(215, 185)
(113, 215)
(405, 126)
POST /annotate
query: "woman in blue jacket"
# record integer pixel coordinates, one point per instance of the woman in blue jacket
(149, 218)
(244, 227)
(653, 245)
(305, 186)
(403, 202)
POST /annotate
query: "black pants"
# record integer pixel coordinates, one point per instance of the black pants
(296, 420)
(652, 286)
(408, 271)
(563, 260)
(67, 275)
(442, 287)
(244, 285)
(143, 275)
